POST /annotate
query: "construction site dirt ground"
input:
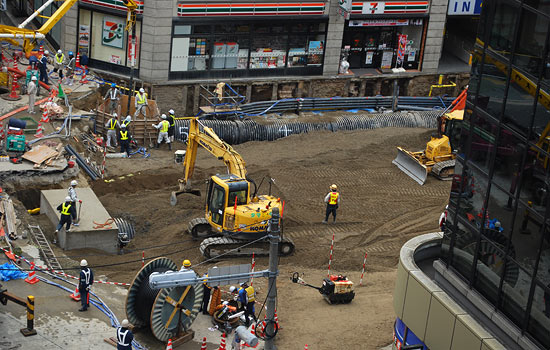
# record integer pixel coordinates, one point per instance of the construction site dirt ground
(381, 208)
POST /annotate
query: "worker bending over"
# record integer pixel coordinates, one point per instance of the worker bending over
(111, 126)
(163, 127)
(332, 199)
(125, 136)
(68, 213)
(124, 336)
(84, 284)
(141, 103)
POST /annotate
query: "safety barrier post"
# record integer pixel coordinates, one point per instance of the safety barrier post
(253, 265)
(30, 318)
(363, 271)
(142, 258)
(330, 256)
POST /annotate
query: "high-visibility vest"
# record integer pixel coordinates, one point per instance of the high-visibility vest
(112, 122)
(173, 120)
(121, 337)
(141, 99)
(113, 93)
(65, 209)
(165, 126)
(333, 198)
(250, 294)
(123, 135)
(87, 274)
(60, 59)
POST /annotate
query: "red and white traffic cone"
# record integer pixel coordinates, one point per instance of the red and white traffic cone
(39, 130)
(41, 50)
(45, 116)
(305, 347)
(169, 345)
(2, 135)
(15, 63)
(13, 94)
(77, 64)
(32, 279)
(222, 343)
(83, 80)
(277, 320)
(204, 346)
(75, 295)
(253, 329)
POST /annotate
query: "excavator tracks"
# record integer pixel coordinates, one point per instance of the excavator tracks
(199, 228)
(444, 170)
(230, 248)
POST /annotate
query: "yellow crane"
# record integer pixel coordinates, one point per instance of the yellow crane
(234, 216)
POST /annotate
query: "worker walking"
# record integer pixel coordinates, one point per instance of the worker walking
(58, 61)
(111, 126)
(247, 296)
(332, 199)
(141, 103)
(44, 60)
(32, 89)
(71, 65)
(68, 213)
(172, 121)
(84, 284)
(113, 96)
(163, 127)
(205, 295)
(124, 134)
(124, 336)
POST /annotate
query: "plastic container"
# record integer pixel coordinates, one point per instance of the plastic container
(70, 163)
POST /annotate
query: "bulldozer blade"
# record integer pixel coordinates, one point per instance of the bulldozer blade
(174, 195)
(411, 166)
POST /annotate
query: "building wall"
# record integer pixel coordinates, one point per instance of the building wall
(155, 41)
(434, 37)
(335, 33)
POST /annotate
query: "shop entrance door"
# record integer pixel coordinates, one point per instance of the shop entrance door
(386, 44)
(355, 43)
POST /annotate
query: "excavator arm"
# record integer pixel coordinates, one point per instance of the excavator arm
(220, 149)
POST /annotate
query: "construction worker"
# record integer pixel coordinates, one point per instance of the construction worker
(74, 199)
(44, 60)
(32, 71)
(111, 126)
(247, 297)
(185, 265)
(71, 65)
(32, 89)
(141, 103)
(68, 214)
(332, 199)
(58, 61)
(114, 96)
(127, 121)
(84, 284)
(124, 336)
(125, 136)
(163, 127)
(205, 296)
(172, 120)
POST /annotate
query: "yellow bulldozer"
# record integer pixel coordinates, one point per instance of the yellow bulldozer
(439, 157)
(236, 217)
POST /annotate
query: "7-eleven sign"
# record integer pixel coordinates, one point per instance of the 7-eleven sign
(372, 8)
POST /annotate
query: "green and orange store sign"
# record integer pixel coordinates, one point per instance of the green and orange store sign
(250, 9)
(389, 7)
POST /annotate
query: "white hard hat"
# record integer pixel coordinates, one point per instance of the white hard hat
(232, 289)
(141, 90)
(123, 126)
(33, 78)
(129, 117)
(225, 302)
(68, 199)
(83, 262)
(115, 115)
(163, 116)
(125, 323)
(171, 111)
(46, 52)
(74, 183)
(333, 187)
(59, 51)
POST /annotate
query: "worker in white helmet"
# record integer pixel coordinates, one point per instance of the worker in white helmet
(332, 199)
(32, 89)
(58, 62)
(74, 199)
(84, 284)
(141, 103)
(68, 214)
(172, 120)
(124, 336)
(163, 127)
(43, 66)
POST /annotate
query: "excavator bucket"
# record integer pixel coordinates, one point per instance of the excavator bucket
(411, 166)
(174, 195)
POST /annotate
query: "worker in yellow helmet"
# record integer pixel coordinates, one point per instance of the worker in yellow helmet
(185, 265)
(333, 200)
(205, 295)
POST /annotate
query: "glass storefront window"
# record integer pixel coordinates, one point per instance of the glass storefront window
(526, 236)
(502, 31)
(268, 52)
(483, 141)
(508, 159)
(530, 43)
(230, 52)
(297, 53)
(492, 85)
(515, 292)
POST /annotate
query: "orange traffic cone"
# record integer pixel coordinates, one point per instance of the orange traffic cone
(253, 329)
(41, 50)
(203, 346)
(15, 63)
(76, 295)
(277, 320)
(305, 347)
(77, 64)
(169, 345)
(13, 94)
(32, 279)
(45, 116)
(39, 130)
(222, 343)
(83, 80)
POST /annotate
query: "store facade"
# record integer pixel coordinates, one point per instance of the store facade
(102, 36)
(385, 35)
(220, 40)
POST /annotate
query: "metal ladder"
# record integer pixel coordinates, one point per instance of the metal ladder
(44, 247)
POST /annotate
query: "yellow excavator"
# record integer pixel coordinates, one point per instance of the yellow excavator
(439, 157)
(236, 219)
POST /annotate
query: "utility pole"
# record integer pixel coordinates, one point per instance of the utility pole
(132, 64)
(273, 272)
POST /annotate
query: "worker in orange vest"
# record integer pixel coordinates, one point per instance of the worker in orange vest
(332, 199)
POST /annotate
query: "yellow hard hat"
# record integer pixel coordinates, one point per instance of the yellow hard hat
(333, 187)
(186, 263)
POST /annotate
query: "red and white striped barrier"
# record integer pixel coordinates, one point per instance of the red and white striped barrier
(253, 265)
(143, 258)
(363, 271)
(103, 176)
(330, 256)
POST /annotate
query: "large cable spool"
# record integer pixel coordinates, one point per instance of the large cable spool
(165, 316)
(141, 297)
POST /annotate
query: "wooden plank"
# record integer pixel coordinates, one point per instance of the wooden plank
(39, 154)
(184, 338)
(211, 109)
